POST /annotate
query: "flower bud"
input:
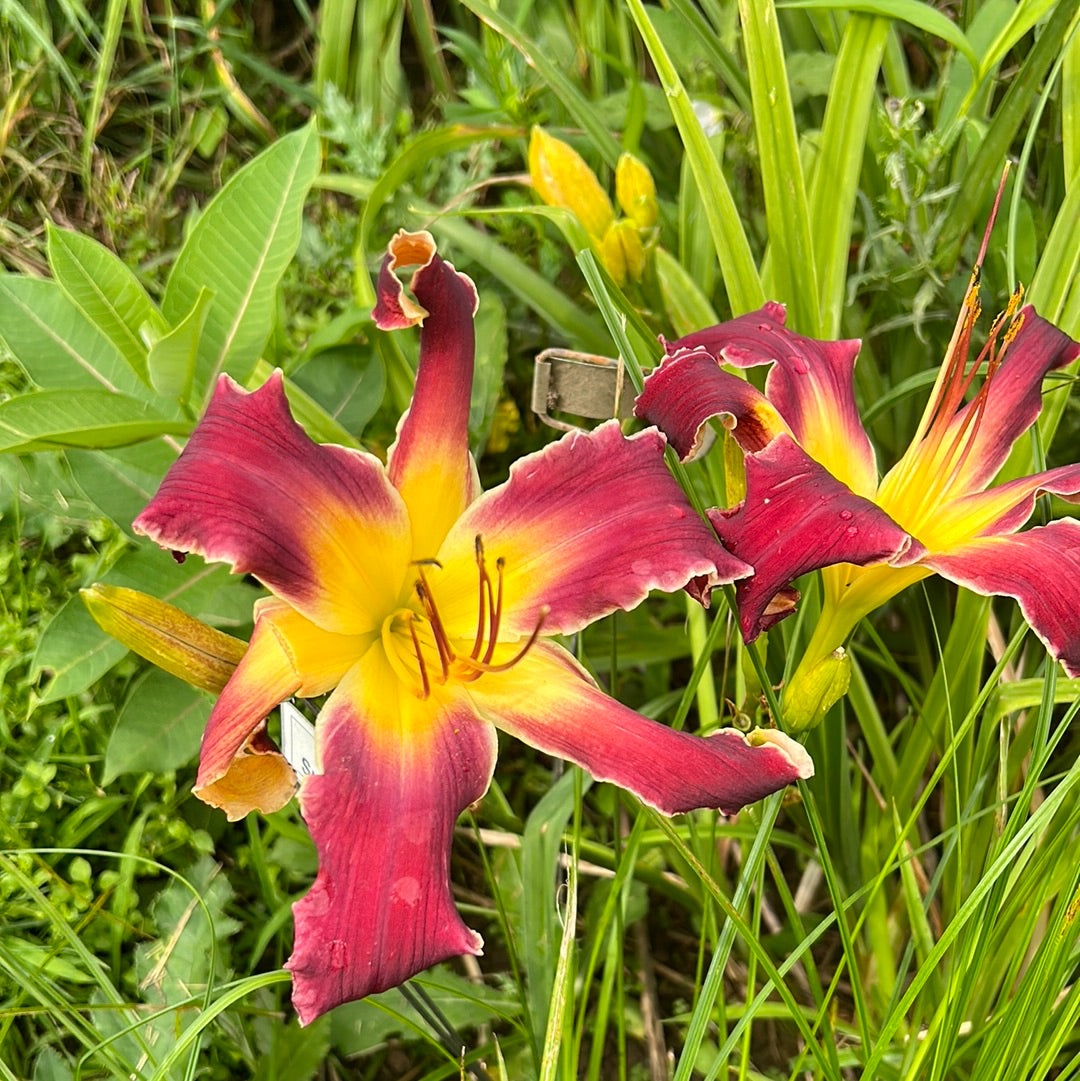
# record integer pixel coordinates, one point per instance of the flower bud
(561, 178)
(178, 643)
(811, 694)
(635, 191)
(622, 252)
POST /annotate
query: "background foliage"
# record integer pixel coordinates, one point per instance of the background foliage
(191, 188)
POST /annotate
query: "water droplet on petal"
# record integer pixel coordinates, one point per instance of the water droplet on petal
(852, 531)
(339, 954)
(845, 516)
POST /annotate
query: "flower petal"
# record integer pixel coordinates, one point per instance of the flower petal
(316, 524)
(430, 463)
(548, 701)
(589, 524)
(811, 384)
(1014, 398)
(796, 518)
(1003, 509)
(689, 388)
(287, 655)
(396, 772)
(1040, 568)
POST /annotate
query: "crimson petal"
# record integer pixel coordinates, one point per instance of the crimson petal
(810, 383)
(1040, 568)
(797, 518)
(549, 702)
(313, 523)
(397, 771)
(589, 524)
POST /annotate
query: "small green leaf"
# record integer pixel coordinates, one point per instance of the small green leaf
(106, 290)
(123, 480)
(58, 419)
(171, 360)
(75, 651)
(158, 729)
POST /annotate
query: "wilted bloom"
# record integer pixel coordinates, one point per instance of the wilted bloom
(814, 500)
(422, 604)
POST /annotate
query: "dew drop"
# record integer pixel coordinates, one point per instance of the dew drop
(845, 516)
(852, 531)
(339, 954)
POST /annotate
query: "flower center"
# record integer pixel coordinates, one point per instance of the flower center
(418, 644)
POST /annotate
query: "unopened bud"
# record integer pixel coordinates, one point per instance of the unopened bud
(811, 694)
(179, 644)
(562, 178)
(635, 191)
(622, 252)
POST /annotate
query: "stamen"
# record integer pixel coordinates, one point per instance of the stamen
(478, 641)
(420, 661)
(495, 609)
(438, 632)
(485, 666)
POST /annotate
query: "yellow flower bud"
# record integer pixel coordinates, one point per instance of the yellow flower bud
(178, 643)
(635, 191)
(561, 178)
(811, 694)
(622, 252)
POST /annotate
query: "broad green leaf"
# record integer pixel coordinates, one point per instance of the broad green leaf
(171, 360)
(349, 382)
(489, 368)
(106, 290)
(741, 278)
(304, 1049)
(791, 246)
(56, 343)
(159, 727)
(59, 419)
(914, 12)
(238, 249)
(122, 481)
(74, 651)
(311, 416)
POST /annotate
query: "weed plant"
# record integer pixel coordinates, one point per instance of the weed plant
(911, 912)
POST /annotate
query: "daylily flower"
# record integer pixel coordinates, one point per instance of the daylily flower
(422, 604)
(814, 499)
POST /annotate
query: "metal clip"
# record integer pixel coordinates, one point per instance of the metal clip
(581, 384)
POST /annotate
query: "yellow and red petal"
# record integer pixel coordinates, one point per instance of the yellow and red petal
(797, 518)
(320, 526)
(1003, 509)
(587, 525)
(810, 383)
(430, 463)
(1040, 568)
(690, 388)
(287, 655)
(396, 773)
(1013, 399)
(548, 701)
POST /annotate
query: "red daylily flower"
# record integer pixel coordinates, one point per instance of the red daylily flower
(420, 603)
(813, 496)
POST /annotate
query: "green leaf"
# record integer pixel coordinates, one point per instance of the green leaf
(239, 249)
(106, 290)
(791, 247)
(56, 343)
(171, 360)
(158, 729)
(347, 381)
(835, 183)
(122, 481)
(58, 419)
(687, 308)
(741, 278)
(489, 368)
(75, 651)
(914, 12)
